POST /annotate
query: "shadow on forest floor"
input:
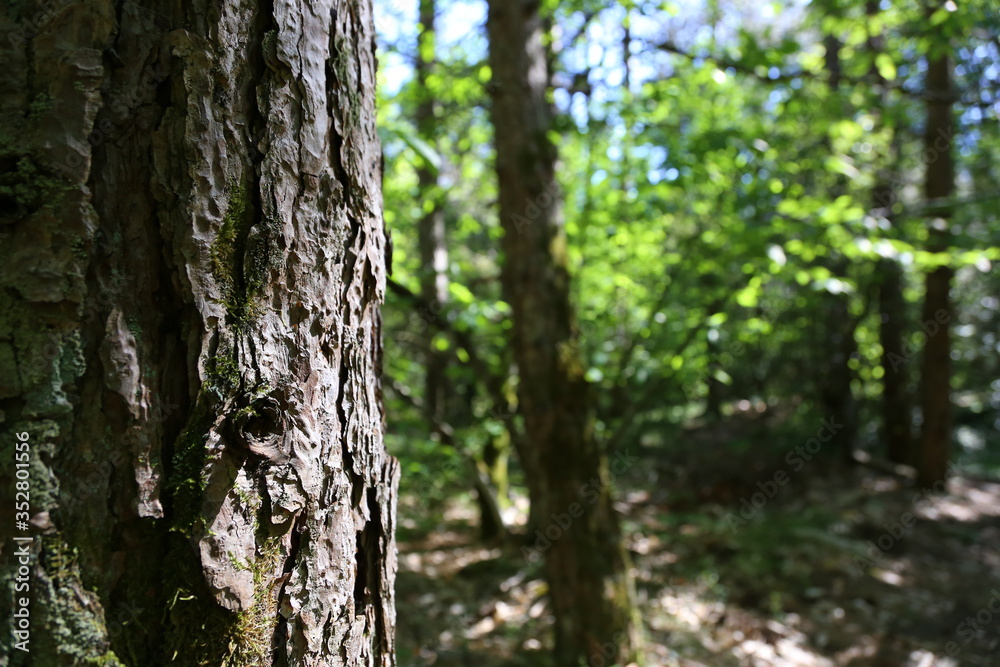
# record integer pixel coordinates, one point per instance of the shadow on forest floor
(841, 567)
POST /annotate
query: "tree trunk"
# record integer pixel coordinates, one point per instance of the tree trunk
(836, 377)
(713, 398)
(430, 230)
(193, 264)
(939, 178)
(897, 405)
(838, 344)
(568, 473)
(896, 401)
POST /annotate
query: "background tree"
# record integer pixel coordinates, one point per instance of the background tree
(586, 566)
(730, 254)
(194, 261)
(897, 402)
(433, 244)
(937, 313)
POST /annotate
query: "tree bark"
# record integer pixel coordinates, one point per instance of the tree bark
(193, 265)
(431, 230)
(567, 471)
(897, 405)
(939, 181)
(837, 340)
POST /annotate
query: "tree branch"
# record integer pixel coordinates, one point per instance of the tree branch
(493, 382)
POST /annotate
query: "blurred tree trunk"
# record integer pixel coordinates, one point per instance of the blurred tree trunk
(433, 246)
(713, 399)
(492, 491)
(568, 473)
(897, 405)
(839, 344)
(939, 180)
(836, 376)
(192, 276)
(431, 230)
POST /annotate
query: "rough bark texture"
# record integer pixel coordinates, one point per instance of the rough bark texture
(939, 180)
(192, 267)
(585, 563)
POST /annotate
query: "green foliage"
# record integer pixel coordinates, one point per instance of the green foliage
(716, 208)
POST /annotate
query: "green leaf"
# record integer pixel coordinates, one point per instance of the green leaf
(939, 17)
(886, 67)
(408, 136)
(747, 297)
(460, 293)
(717, 320)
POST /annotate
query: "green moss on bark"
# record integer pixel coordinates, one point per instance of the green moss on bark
(201, 634)
(185, 482)
(250, 639)
(242, 256)
(197, 629)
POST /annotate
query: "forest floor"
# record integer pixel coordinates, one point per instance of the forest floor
(842, 566)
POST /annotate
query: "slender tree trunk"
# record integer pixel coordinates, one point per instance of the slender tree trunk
(431, 230)
(838, 344)
(836, 376)
(713, 398)
(434, 283)
(897, 404)
(568, 473)
(939, 180)
(192, 275)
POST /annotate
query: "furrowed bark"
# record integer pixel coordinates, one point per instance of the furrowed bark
(190, 308)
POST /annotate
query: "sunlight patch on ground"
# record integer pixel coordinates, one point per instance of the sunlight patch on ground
(782, 590)
(966, 501)
(444, 562)
(888, 577)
